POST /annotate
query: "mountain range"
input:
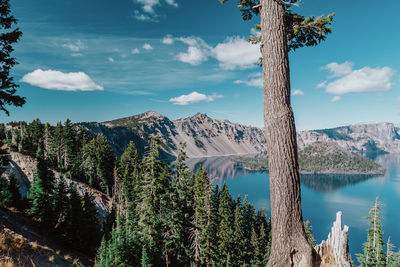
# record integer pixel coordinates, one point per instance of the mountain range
(206, 137)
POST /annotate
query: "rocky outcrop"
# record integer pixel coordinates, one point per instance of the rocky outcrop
(334, 252)
(24, 167)
(368, 139)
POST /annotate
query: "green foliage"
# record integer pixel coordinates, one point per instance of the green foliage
(301, 31)
(98, 163)
(321, 158)
(180, 219)
(309, 235)
(41, 192)
(374, 254)
(8, 38)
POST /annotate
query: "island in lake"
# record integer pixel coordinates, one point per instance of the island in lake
(320, 158)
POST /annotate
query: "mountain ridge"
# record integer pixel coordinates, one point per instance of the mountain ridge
(208, 137)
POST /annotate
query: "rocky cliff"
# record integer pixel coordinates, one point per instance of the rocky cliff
(203, 135)
(207, 137)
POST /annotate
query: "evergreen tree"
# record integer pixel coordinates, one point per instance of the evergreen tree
(239, 239)
(8, 37)
(373, 249)
(98, 164)
(90, 227)
(72, 224)
(68, 141)
(41, 192)
(392, 258)
(5, 194)
(13, 188)
(225, 231)
(153, 198)
(60, 201)
(309, 235)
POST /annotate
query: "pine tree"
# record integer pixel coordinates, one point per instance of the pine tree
(41, 192)
(60, 201)
(373, 249)
(151, 210)
(98, 163)
(90, 227)
(225, 231)
(73, 219)
(8, 37)
(310, 236)
(239, 239)
(13, 188)
(68, 141)
(392, 258)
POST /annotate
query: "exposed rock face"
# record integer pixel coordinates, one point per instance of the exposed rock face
(24, 167)
(368, 139)
(207, 137)
(203, 135)
(334, 252)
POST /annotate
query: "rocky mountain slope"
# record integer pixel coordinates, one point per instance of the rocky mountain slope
(24, 167)
(207, 137)
(203, 135)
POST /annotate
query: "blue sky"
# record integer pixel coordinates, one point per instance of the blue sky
(100, 60)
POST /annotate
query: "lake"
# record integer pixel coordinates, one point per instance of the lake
(323, 196)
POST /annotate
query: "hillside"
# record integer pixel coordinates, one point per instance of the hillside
(207, 137)
(22, 244)
(203, 135)
(322, 158)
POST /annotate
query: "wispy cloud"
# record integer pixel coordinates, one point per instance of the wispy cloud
(74, 46)
(57, 80)
(147, 46)
(135, 51)
(168, 40)
(255, 79)
(148, 11)
(297, 92)
(194, 97)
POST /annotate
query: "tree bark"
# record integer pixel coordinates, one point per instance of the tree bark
(289, 243)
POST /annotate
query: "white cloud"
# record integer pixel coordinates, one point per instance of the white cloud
(110, 59)
(142, 17)
(255, 80)
(198, 51)
(172, 3)
(233, 53)
(74, 46)
(297, 92)
(237, 53)
(192, 98)
(339, 70)
(168, 40)
(135, 51)
(57, 80)
(357, 81)
(148, 7)
(336, 98)
(147, 46)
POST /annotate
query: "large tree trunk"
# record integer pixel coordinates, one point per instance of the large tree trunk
(289, 243)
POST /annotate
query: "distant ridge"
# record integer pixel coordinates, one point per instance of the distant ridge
(206, 136)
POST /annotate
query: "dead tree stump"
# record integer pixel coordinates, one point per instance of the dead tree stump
(334, 252)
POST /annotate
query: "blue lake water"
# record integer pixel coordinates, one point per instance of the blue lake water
(323, 196)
